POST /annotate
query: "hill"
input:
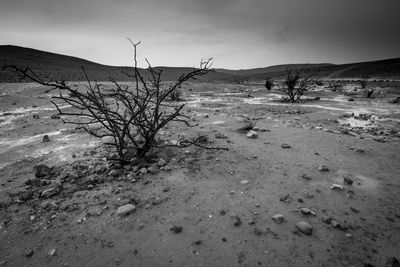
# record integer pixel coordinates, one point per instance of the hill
(57, 66)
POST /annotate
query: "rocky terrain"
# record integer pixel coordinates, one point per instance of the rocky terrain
(314, 183)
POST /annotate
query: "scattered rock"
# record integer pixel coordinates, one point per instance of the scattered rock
(354, 210)
(326, 219)
(337, 187)
(107, 140)
(126, 210)
(29, 253)
(153, 169)
(161, 162)
(221, 136)
(55, 116)
(252, 134)
(323, 168)
(304, 227)
(286, 198)
(49, 192)
(348, 180)
(143, 170)
(306, 177)
(306, 211)
(236, 220)
(360, 150)
(176, 229)
(46, 139)
(278, 218)
(286, 146)
(53, 252)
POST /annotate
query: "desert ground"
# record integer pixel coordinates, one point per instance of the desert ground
(331, 162)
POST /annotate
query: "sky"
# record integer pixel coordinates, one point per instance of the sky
(237, 34)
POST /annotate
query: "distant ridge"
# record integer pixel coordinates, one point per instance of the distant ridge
(57, 66)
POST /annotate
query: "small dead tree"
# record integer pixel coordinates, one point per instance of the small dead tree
(130, 116)
(297, 82)
(364, 80)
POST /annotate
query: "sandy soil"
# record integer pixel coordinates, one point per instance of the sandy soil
(220, 203)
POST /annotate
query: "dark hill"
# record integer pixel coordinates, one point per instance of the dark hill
(56, 66)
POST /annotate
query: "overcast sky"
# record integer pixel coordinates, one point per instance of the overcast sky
(236, 33)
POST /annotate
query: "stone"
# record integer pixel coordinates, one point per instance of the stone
(126, 210)
(55, 116)
(348, 180)
(337, 187)
(286, 146)
(29, 253)
(304, 227)
(143, 170)
(326, 219)
(46, 139)
(236, 220)
(107, 140)
(306, 177)
(36, 116)
(153, 169)
(53, 252)
(252, 134)
(49, 192)
(305, 211)
(221, 136)
(244, 182)
(286, 198)
(167, 168)
(161, 162)
(278, 218)
(323, 168)
(156, 201)
(176, 229)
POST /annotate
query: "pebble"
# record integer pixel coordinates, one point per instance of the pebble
(45, 139)
(306, 211)
(278, 218)
(126, 210)
(49, 192)
(244, 182)
(252, 134)
(348, 180)
(236, 220)
(52, 252)
(337, 187)
(323, 168)
(143, 170)
(286, 198)
(286, 146)
(29, 253)
(304, 227)
(306, 177)
(161, 162)
(176, 229)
